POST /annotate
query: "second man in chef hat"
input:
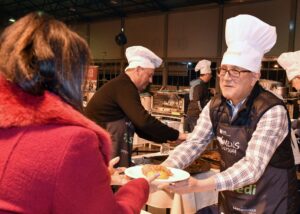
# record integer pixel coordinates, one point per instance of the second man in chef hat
(117, 107)
(199, 94)
(251, 127)
(290, 61)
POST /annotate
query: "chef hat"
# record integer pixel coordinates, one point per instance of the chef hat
(290, 61)
(203, 66)
(141, 56)
(248, 39)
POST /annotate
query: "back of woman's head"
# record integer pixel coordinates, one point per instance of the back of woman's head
(39, 53)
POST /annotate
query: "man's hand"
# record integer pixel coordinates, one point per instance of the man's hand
(182, 137)
(190, 185)
(181, 187)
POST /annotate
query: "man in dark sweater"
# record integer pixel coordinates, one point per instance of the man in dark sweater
(116, 106)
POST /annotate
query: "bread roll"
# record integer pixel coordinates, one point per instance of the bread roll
(149, 170)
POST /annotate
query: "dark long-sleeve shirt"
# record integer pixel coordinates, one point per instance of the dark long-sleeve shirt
(199, 97)
(119, 98)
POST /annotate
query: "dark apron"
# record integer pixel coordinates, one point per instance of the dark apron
(269, 195)
(122, 132)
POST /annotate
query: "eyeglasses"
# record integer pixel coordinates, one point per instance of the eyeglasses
(233, 73)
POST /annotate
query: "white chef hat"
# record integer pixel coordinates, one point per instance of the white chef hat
(141, 56)
(203, 66)
(290, 61)
(248, 39)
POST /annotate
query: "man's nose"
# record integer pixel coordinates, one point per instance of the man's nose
(227, 76)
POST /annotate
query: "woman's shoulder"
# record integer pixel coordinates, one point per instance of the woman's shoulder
(58, 135)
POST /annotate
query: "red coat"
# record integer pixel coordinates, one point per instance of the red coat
(54, 160)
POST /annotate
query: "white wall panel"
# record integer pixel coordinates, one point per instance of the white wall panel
(147, 31)
(102, 40)
(273, 12)
(82, 30)
(193, 33)
(190, 33)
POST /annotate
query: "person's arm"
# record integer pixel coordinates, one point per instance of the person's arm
(83, 182)
(188, 151)
(146, 125)
(271, 129)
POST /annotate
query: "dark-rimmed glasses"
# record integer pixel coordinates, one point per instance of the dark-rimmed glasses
(233, 72)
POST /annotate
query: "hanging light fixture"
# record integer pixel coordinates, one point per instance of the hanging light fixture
(121, 38)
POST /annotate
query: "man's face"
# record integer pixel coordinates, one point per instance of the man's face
(296, 82)
(144, 77)
(206, 77)
(236, 83)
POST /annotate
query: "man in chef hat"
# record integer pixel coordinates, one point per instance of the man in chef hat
(290, 61)
(199, 94)
(117, 107)
(141, 65)
(251, 127)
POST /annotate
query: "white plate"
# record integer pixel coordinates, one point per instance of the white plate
(178, 174)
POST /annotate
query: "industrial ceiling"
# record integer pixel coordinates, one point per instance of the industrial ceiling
(91, 10)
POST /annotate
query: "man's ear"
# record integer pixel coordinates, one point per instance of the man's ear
(255, 78)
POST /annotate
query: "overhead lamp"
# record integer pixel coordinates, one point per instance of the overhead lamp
(72, 9)
(114, 2)
(121, 38)
(12, 20)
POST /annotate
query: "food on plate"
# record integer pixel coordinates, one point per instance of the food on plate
(198, 166)
(212, 155)
(150, 169)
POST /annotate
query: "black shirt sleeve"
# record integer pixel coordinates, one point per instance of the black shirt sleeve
(146, 125)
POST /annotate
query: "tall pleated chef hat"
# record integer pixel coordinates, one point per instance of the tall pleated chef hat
(248, 39)
(290, 62)
(203, 66)
(141, 56)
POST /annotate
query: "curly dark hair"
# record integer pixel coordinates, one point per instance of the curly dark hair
(40, 53)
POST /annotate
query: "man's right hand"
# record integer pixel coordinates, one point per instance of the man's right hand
(182, 137)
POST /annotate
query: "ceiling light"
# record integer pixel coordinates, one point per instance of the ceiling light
(12, 20)
(121, 38)
(72, 9)
(114, 1)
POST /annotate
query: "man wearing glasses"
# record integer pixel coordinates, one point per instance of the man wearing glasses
(251, 126)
